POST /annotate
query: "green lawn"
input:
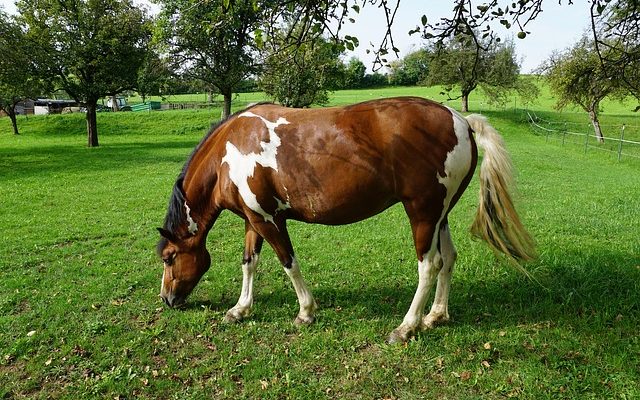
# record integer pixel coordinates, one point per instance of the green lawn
(80, 316)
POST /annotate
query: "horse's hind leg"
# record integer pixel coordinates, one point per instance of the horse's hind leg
(429, 265)
(252, 246)
(439, 310)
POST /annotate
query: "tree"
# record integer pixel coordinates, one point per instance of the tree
(299, 76)
(478, 20)
(411, 70)
(90, 48)
(615, 31)
(18, 80)
(458, 62)
(215, 41)
(577, 77)
(375, 80)
(354, 74)
(154, 76)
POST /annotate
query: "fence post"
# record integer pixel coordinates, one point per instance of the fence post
(620, 143)
(564, 133)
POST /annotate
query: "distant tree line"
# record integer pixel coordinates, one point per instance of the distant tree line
(91, 49)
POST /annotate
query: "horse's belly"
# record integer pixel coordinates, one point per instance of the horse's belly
(340, 201)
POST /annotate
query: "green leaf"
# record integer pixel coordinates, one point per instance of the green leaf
(424, 20)
(258, 36)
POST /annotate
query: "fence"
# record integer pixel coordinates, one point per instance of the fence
(566, 133)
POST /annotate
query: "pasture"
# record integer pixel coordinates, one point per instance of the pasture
(80, 315)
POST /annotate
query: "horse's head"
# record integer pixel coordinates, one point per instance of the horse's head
(185, 261)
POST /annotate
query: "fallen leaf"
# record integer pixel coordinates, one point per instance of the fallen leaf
(48, 362)
(264, 384)
(487, 346)
(31, 333)
(502, 333)
(465, 375)
(486, 364)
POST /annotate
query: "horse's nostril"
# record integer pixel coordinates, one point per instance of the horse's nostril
(165, 300)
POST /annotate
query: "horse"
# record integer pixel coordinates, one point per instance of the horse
(333, 166)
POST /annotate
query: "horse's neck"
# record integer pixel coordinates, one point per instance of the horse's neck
(200, 190)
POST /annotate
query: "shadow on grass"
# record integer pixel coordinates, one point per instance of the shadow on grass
(602, 287)
(42, 160)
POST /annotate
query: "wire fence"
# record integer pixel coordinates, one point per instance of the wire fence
(582, 134)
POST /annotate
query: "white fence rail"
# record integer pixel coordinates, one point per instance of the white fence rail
(566, 132)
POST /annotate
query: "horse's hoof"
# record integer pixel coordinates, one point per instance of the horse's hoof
(398, 337)
(234, 317)
(431, 321)
(300, 321)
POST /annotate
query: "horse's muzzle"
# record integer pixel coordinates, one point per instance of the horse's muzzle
(172, 301)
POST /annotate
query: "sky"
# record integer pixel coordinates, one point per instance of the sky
(556, 28)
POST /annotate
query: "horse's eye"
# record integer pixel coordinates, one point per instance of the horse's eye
(169, 260)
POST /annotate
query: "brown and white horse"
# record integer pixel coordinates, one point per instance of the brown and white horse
(336, 166)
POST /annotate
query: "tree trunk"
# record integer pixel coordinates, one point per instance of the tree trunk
(465, 102)
(593, 114)
(226, 110)
(12, 116)
(92, 125)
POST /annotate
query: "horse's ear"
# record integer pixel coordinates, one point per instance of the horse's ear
(167, 235)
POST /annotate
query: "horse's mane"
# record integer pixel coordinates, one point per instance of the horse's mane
(176, 213)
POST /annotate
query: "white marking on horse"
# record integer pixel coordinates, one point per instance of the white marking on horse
(193, 227)
(457, 163)
(242, 166)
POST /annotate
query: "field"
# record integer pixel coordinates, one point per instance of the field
(80, 315)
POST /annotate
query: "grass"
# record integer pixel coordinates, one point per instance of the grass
(80, 316)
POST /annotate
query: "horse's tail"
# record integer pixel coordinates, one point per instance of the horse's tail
(497, 221)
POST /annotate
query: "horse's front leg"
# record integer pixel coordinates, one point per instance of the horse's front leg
(252, 246)
(308, 305)
(278, 238)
